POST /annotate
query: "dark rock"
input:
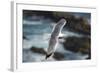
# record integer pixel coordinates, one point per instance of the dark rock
(76, 24)
(79, 25)
(38, 50)
(58, 56)
(76, 44)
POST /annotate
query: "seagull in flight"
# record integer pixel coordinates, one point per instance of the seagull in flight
(54, 38)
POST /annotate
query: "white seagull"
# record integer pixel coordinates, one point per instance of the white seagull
(54, 38)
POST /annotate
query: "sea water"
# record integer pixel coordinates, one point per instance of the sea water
(37, 33)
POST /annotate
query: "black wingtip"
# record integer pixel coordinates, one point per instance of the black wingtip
(48, 55)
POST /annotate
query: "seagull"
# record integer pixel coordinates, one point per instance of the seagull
(54, 38)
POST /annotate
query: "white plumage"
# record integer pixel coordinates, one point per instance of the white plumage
(54, 37)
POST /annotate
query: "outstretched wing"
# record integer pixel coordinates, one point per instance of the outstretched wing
(54, 37)
(57, 29)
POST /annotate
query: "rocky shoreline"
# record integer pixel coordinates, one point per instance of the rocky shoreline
(57, 55)
(76, 44)
(76, 24)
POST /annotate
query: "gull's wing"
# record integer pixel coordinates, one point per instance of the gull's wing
(54, 37)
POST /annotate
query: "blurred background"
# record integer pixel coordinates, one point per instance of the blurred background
(74, 41)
